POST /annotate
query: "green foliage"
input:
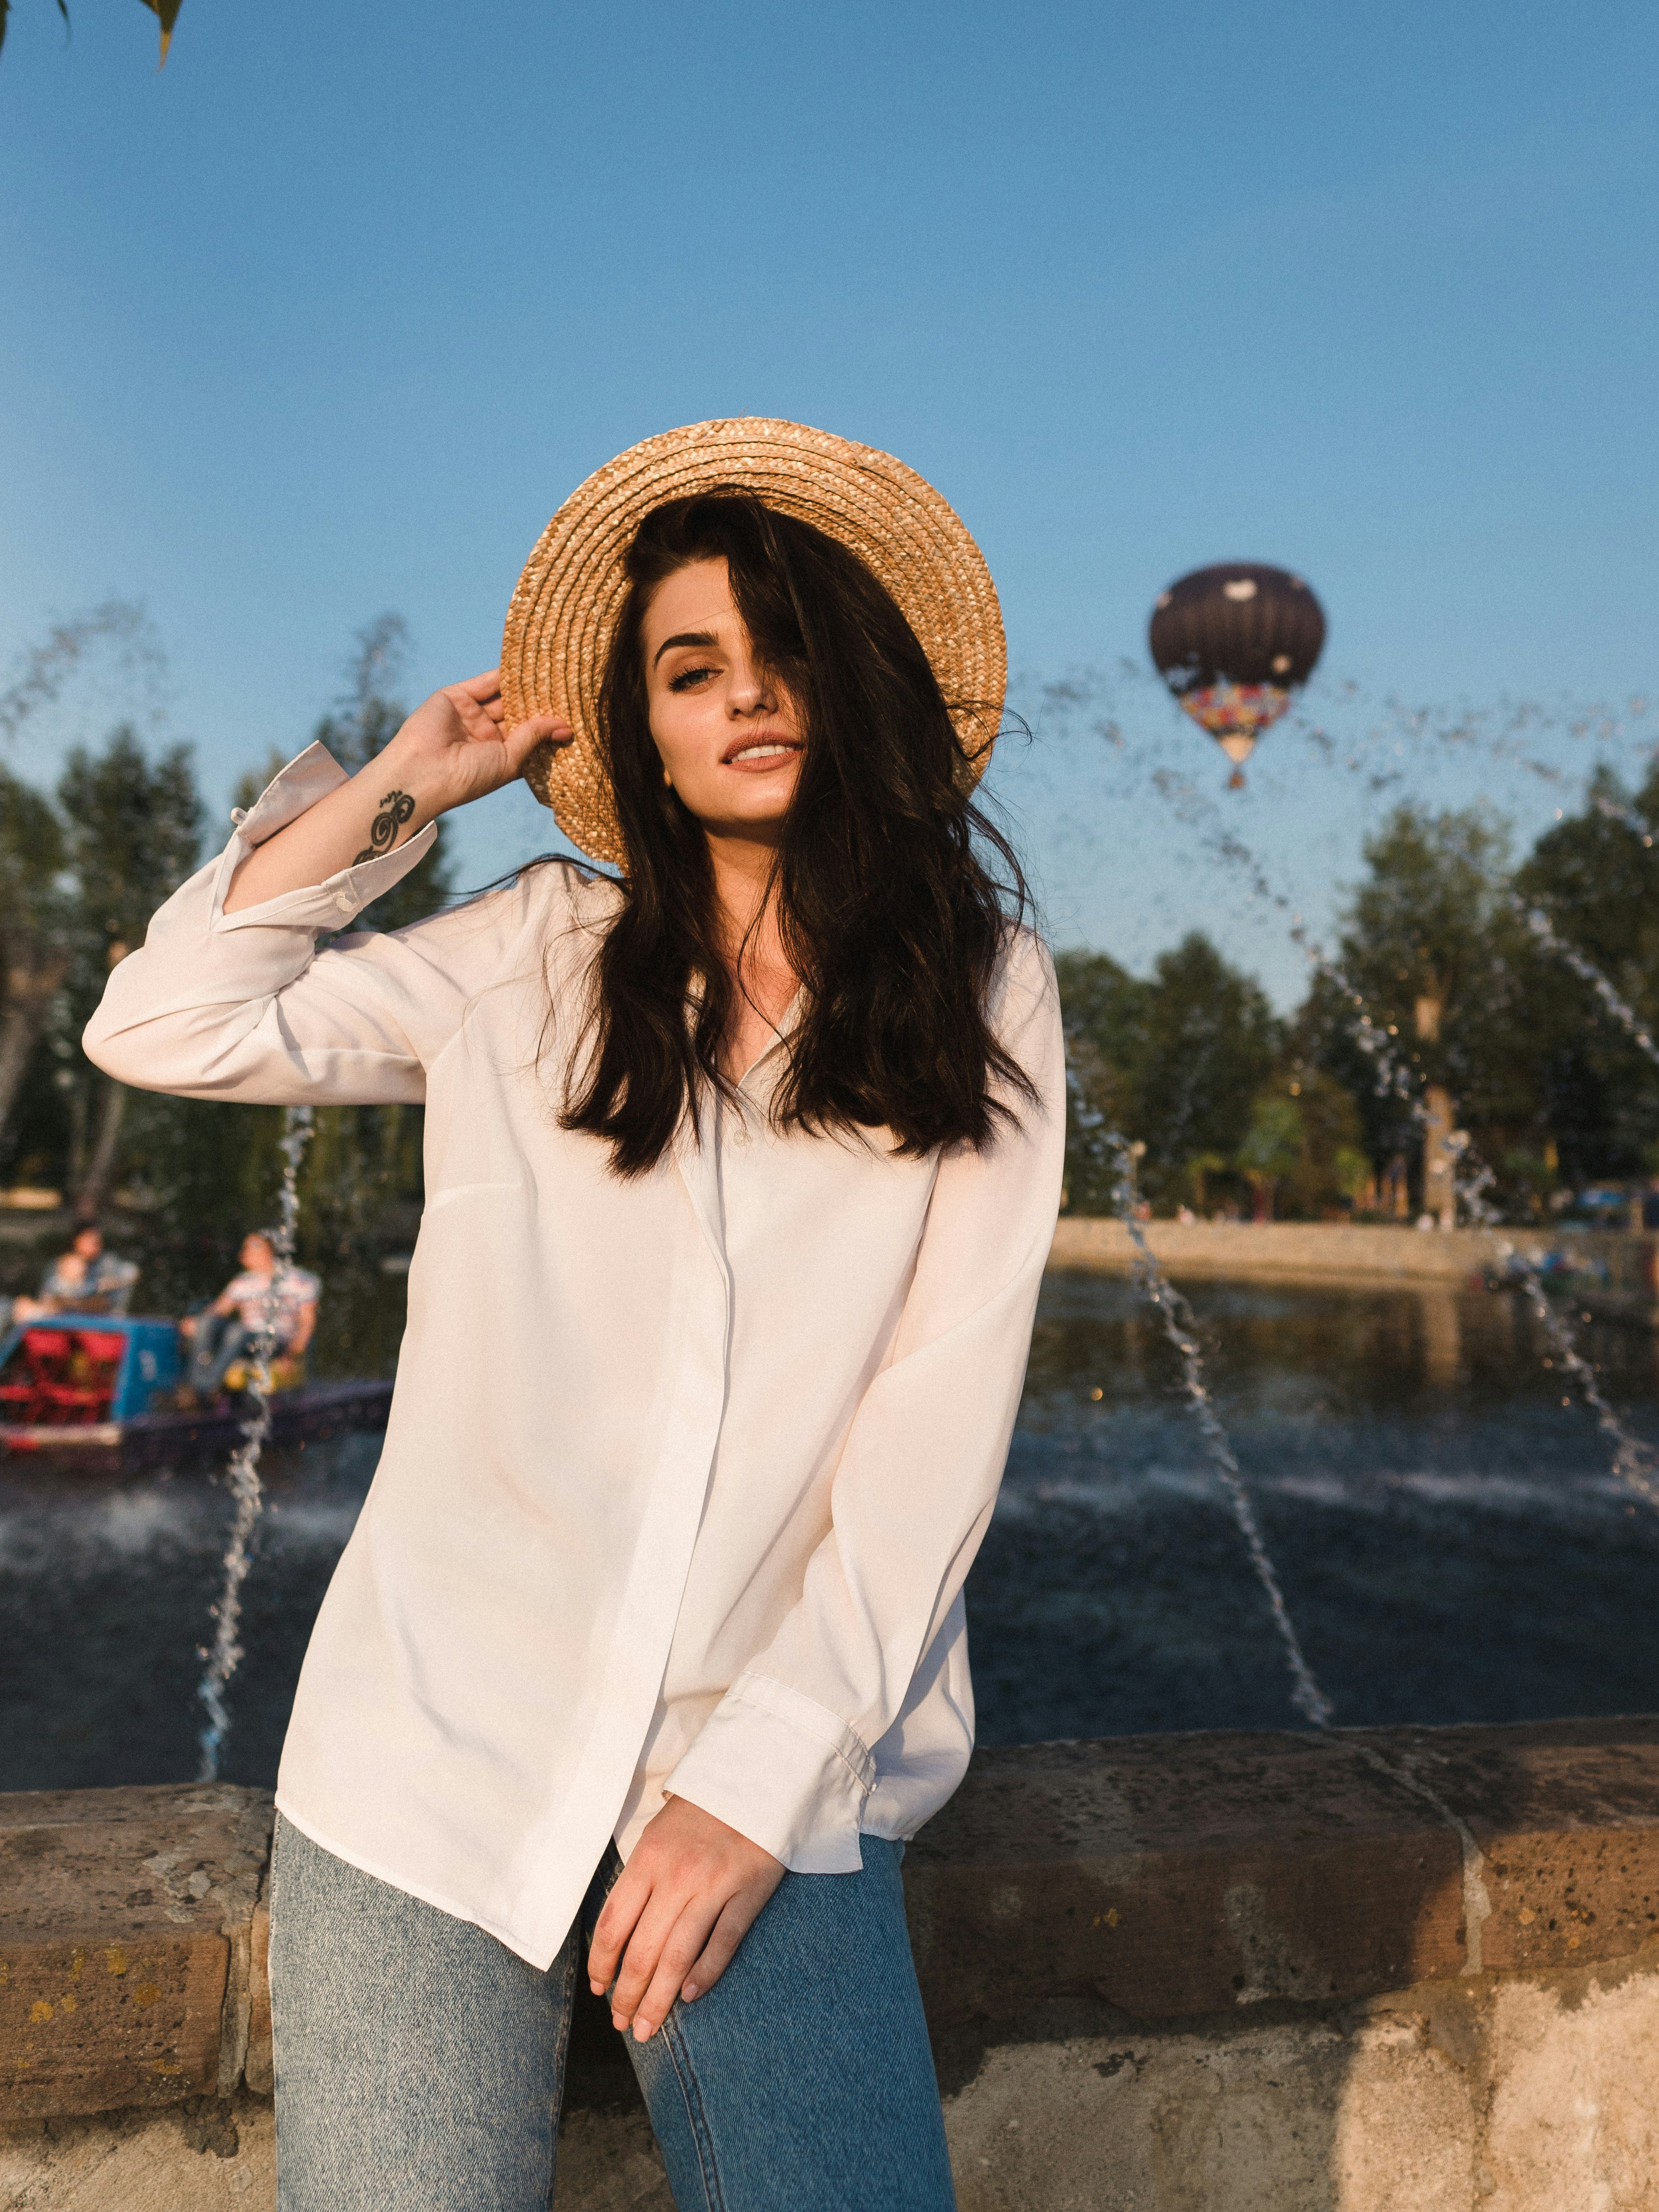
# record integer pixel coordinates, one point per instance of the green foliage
(80, 874)
(165, 11)
(1211, 1039)
(1173, 1061)
(363, 723)
(1105, 1011)
(1545, 1078)
(1596, 875)
(1274, 1141)
(1431, 925)
(1432, 942)
(131, 832)
(32, 852)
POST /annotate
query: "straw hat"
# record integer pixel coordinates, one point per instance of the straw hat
(565, 610)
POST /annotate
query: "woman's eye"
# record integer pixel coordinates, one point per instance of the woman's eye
(687, 677)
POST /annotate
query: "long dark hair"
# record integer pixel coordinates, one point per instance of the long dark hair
(885, 909)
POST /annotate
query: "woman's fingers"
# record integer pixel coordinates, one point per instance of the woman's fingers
(681, 1947)
(644, 1949)
(722, 1948)
(629, 1894)
(475, 716)
(691, 1892)
(535, 729)
(487, 686)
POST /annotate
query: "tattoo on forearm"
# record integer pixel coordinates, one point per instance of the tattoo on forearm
(395, 810)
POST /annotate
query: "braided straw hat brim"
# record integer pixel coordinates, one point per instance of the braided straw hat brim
(569, 600)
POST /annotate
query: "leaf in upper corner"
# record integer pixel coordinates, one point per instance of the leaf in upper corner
(63, 9)
(166, 14)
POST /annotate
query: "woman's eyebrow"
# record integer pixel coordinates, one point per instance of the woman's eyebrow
(683, 637)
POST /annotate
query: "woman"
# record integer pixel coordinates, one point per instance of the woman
(649, 1650)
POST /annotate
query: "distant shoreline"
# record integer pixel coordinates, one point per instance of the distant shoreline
(1609, 1272)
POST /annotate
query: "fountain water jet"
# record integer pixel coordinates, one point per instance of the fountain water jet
(242, 1476)
(1635, 1463)
(1178, 1321)
(1587, 972)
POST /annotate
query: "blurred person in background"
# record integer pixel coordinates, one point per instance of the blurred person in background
(85, 1280)
(264, 1295)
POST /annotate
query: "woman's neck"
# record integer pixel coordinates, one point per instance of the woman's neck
(746, 895)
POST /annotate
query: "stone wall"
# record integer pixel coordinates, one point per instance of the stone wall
(1388, 1971)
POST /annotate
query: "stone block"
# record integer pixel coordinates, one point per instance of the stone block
(126, 1919)
(1182, 1875)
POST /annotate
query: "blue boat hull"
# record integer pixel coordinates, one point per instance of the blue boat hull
(317, 1409)
(129, 1410)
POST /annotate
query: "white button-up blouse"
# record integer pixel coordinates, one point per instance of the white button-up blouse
(683, 1475)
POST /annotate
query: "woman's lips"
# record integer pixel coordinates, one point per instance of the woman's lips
(758, 755)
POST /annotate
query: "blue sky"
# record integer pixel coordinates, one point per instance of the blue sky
(327, 317)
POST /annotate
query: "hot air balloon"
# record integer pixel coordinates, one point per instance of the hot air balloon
(1232, 643)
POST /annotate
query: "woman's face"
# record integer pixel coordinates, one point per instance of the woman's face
(728, 732)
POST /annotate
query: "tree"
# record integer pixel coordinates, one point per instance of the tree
(1594, 876)
(363, 722)
(1172, 1061)
(1272, 1148)
(34, 946)
(1210, 1042)
(1310, 1160)
(1323, 1049)
(1105, 1016)
(1432, 942)
(131, 832)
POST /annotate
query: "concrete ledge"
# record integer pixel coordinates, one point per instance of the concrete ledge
(1611, 1272)
(126, 1922)
(1348, 1973)
(1177, 1875)
(1296, 1251)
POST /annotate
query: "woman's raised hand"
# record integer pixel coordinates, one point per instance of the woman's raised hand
(675, 1917)
(456, 746)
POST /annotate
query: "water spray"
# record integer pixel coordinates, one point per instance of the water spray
(1587, 972)
(1635, 1463)
(1108, 1147)
(242, 1476)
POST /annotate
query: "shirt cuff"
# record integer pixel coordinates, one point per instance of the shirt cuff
(783, 1771)
(338, 899)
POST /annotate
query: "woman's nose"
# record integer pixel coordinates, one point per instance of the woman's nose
(749, 692)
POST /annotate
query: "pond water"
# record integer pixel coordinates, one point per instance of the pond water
(1451, 1545)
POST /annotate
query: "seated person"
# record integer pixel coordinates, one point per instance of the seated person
(228, 1330)
(85, 1280)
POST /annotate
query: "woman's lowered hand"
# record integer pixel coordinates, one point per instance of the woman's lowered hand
(675, 1917)
(454, 747)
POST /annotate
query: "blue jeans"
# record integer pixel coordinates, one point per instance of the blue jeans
(420, 2063)
(220, 1340)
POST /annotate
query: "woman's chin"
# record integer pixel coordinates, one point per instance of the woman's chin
(747, 812)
